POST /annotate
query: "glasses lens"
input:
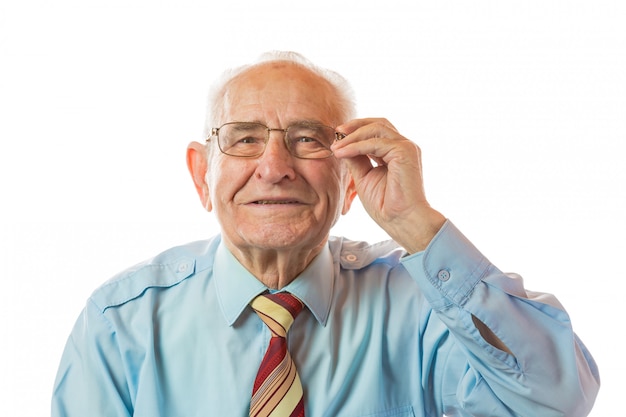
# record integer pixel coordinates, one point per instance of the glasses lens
(310, 140)
(242, 139)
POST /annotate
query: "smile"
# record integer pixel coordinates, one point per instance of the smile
(275, 202)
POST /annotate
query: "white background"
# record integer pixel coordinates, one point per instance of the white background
(519, 108)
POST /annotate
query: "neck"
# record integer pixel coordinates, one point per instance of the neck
(275, 268)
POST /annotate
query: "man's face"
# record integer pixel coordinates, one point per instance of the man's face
(277, 201)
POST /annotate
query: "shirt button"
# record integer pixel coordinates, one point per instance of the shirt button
(443, 275)
(182, 267)
(351, 257)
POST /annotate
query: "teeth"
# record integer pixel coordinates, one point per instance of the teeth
(275, 202)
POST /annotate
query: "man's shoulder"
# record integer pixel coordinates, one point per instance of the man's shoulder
(358, 254)
(165, 270)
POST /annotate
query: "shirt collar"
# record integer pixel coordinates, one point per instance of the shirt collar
(237, 287)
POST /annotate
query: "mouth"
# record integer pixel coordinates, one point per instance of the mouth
(268, 202)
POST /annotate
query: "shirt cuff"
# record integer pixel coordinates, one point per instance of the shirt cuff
(448, 269)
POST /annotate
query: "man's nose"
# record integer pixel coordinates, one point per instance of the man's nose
(276, 162)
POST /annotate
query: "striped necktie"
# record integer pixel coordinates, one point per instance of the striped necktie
(277, 389)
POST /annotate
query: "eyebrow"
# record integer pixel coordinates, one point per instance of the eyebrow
(309, 122)
(244, 126)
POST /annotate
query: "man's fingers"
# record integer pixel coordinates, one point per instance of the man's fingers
(381, 150)
(359, 167)
(372, 122)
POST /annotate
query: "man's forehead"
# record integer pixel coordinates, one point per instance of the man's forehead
(286, 83)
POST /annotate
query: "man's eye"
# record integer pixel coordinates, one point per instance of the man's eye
(249, 140)
(306, 139)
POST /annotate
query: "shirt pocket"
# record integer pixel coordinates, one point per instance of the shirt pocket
(406, 411)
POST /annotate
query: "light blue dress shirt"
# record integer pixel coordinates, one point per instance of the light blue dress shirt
(381, 335)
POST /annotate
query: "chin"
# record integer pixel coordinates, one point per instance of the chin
(276, 237)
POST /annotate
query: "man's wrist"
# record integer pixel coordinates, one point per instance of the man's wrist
(415, 234)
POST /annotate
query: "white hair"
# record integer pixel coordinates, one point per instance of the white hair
(345, 96)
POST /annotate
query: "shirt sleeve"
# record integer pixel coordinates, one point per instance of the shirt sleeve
(548, 371)
(90, 380)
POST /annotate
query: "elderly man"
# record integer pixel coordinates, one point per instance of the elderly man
(274, 317)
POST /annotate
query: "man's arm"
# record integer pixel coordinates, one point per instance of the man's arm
(529, 363)
(90, 380)
(521, 349)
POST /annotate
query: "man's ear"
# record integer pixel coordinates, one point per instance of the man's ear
(197, 164)
(350, 193)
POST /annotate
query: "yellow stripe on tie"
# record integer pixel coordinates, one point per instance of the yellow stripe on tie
(280, 318)
(290, 400)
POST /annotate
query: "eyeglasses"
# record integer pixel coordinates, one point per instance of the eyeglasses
(307, 140)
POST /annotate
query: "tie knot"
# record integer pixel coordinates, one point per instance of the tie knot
(278, 311)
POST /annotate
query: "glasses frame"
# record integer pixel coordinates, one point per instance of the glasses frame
(269, 130)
